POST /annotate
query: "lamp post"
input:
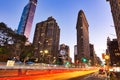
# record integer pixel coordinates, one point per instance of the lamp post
(107, 58)
(46, 51)
(43, 53)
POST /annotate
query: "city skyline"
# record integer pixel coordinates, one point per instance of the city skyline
(98, 14)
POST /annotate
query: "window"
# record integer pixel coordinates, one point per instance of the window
(119, 17)
(42, 34)
(81, 36)
(49, 33)
(81, 27)
(118, 2)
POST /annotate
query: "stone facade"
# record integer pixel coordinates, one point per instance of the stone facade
(46, 37)
(82, 37)
(115, 10)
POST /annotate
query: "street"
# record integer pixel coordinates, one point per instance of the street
(52, 75)
(93, 76)
(40, 72)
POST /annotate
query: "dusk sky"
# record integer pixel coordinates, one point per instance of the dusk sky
(98, 14)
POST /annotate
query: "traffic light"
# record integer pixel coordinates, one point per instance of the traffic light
(67, 63)
(107, 57)
(84, 59)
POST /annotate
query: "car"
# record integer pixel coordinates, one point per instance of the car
(29, 62)
(18, 62)
(101, 71)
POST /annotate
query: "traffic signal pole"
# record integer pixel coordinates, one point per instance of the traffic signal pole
(107, 58)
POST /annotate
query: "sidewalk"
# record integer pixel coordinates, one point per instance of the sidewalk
(114, 75)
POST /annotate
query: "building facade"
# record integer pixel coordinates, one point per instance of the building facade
(97, 60)
(112, 47)
(64, 50)
(64, 54)
(82, 37)
(46, 37)
(75, 52)
(92, 52)
(26, 20)
(115, 10)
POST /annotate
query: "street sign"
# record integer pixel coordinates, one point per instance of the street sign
(10, 63)
(62, 52)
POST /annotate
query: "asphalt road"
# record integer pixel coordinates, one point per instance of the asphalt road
(51, 76)
(93, 76)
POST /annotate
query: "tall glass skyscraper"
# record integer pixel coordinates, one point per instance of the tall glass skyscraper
(27, 18)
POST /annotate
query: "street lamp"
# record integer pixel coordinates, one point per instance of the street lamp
(43, 53)
(107, 58)
(46, 51)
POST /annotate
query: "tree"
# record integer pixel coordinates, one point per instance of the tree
(8, 36)
(4, 33)
(27, 51)
(11, 43)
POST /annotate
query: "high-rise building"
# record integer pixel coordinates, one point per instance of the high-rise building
(114, 52)
(46, 37)
(82, 37)
(92, 52)
(75, 52)
(64, 54)
(64, 50)
(97, 60)
(115, 10)
(27, 18)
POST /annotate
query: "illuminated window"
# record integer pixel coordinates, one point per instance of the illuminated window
(117, 54)
(118, 2)
(81, 27)
(42, 34)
